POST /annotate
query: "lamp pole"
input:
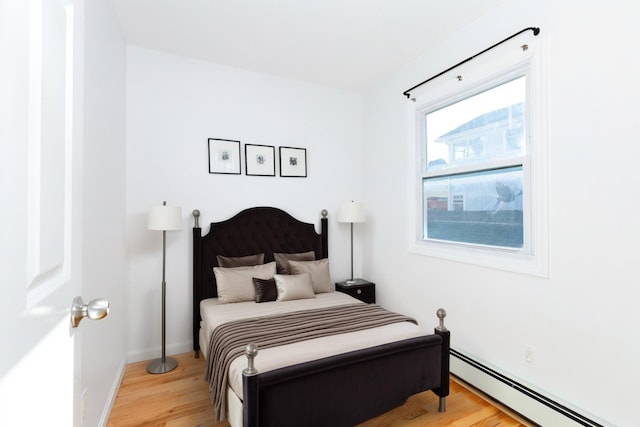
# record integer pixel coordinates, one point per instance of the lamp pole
(351, 252)
(164, 298)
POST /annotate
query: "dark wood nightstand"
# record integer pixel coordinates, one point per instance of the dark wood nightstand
(361, 289)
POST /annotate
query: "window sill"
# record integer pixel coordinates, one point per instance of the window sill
(500, 259)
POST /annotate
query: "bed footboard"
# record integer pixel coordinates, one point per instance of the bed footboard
(347, 389)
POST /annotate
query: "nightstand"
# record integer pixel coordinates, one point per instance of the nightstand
(363, 290)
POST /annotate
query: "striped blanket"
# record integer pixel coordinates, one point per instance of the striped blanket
(228, 341)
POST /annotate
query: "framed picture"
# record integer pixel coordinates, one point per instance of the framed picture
(224, 156)
(260, 160)
(293, 161)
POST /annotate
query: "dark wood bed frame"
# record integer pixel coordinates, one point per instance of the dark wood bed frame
(341, 390)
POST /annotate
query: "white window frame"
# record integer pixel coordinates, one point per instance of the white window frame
(497, 66)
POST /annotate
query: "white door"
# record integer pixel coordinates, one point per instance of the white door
(41, 210)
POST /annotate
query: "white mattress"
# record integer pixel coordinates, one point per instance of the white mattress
(214, 314)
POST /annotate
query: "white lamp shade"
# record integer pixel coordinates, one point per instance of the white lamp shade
(351, 212)
(165, 217)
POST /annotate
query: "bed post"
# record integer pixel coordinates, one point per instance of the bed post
(324, 231)
(442, 331)
(250, 388)
(197, 282)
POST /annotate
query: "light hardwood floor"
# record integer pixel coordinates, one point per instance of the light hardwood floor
(181, 398)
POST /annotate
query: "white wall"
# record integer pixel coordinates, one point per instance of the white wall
(173, 105)
(103, 354)
(582, 320)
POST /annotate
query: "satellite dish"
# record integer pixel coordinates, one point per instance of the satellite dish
(505, 195)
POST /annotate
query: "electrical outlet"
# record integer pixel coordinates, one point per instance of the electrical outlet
(528, 354)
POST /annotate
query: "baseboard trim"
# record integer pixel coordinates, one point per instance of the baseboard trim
(113, 393)
(156, 352)
(531, 404)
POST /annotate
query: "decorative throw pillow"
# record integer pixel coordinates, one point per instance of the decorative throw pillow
(282, 260)
(240, 261)
(297, 286)
(236, 284)
(318, 270)
(265, 289)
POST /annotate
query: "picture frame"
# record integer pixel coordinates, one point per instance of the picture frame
(259, 160)
(224, 156)
(293, 162)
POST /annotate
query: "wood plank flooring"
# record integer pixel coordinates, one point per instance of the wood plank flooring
(181, 398)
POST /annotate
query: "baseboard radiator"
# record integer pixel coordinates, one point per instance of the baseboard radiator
(531, 404)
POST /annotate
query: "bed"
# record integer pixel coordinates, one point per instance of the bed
(360, 360)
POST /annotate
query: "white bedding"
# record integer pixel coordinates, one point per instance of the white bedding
(214, 314)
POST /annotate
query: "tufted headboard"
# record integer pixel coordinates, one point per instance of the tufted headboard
(252, 231)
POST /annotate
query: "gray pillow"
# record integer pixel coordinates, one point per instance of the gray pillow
(295, 286)
(318, 270)
(282, 260)
(240, 261)
(236, 284)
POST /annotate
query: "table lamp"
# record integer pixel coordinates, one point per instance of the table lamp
(351, 212)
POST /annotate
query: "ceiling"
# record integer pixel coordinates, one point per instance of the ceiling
(347, 44)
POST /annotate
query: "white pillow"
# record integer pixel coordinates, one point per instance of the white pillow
(292, 287)
(236, 284)
(319, 271)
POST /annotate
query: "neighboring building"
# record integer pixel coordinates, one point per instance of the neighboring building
(481, 204)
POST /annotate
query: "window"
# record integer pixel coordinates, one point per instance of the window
(475, 152)
(480, 149)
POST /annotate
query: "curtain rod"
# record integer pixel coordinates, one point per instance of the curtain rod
(535, 30)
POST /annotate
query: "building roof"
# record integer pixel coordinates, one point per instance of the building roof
(514, 111)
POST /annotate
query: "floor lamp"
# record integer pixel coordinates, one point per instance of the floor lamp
(164, 218)
(351, 212)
